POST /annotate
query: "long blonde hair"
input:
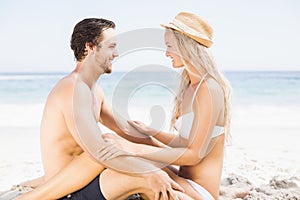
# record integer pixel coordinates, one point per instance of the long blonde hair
(200, 57)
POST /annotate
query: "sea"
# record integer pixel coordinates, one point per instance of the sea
(22, 95)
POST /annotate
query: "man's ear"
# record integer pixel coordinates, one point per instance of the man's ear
(89, 47)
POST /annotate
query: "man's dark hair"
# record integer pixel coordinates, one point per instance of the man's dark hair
(88, 31)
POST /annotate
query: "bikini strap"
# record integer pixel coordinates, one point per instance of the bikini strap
(197, 89)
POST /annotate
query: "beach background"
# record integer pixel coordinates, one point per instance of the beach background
(256, 45)
(265, 120)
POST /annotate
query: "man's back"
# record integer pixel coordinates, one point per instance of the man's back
(58, 145)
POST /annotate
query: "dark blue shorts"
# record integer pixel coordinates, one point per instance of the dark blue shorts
(90, 192)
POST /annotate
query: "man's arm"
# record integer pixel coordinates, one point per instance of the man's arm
(83, 125)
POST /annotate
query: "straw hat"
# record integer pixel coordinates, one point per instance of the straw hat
(192, 26)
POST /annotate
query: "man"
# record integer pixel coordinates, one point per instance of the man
(69, 132)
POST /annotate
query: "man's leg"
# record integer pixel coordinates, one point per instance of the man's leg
(89, 192)
(118, 186)
(33, 183)
(115, 185)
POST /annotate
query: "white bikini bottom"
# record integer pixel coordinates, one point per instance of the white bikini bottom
(203, 192)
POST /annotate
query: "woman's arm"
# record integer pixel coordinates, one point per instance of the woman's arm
(169, 139)
(169, 155)
(114, 121)
(207, 107)
(135, 131)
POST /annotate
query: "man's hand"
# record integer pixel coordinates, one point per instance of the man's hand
(162, 185)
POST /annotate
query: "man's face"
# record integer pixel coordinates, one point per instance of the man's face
(106, 51)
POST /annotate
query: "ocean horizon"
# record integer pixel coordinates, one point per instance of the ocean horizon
(258, 93)
(34, 86)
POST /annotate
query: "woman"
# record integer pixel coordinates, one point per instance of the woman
(201, 112)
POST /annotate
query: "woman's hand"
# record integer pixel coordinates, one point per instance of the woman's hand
(132, 131)
(141, 127)
(115, 146)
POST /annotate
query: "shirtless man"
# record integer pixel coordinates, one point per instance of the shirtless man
(69, 132)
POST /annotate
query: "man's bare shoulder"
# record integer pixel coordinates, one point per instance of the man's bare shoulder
(65, 84)
(100, 92)
(64, 87)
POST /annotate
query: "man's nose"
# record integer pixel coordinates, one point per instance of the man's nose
(167, 54)
(116, 53)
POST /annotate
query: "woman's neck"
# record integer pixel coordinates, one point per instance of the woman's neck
(195, 75)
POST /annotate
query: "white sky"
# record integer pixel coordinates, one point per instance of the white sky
(249, 34)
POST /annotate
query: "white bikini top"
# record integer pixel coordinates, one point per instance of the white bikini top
(184, 123)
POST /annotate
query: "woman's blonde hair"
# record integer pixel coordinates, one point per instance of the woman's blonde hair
(200, 57)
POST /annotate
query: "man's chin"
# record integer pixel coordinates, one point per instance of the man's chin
(108, 70)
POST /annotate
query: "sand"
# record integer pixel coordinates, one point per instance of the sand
(264, 154)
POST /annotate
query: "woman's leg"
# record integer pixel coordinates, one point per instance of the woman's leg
(118, 186)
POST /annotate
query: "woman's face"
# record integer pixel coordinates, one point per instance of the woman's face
(172, 51)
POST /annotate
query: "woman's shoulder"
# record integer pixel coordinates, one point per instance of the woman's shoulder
(210, 93)
(214, 87)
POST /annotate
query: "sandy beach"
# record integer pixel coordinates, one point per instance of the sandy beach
(263, 154)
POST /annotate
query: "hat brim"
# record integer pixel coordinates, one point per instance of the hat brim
(202, 41)
(170, 26)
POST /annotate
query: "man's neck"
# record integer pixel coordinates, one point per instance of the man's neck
(87, 74)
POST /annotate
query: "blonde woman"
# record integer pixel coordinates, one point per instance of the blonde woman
(201, 114)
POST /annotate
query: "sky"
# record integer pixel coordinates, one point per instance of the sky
(248, 34)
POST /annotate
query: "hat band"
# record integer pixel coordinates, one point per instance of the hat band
(188, 30)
